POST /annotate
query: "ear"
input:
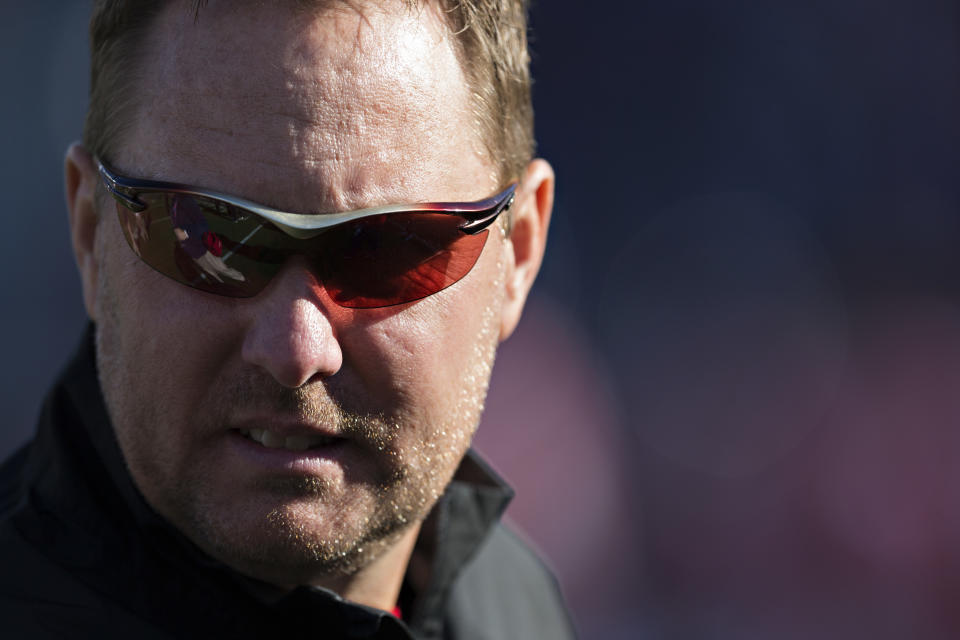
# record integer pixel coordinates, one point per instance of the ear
(80, 177)
(527, 241)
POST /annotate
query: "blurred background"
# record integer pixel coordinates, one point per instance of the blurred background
(731, 408)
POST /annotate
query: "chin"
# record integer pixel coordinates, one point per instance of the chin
(288, 537)
(289, 558)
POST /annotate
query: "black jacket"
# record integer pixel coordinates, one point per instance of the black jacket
(83, 556)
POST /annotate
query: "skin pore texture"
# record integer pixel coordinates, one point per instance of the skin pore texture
(309, 111)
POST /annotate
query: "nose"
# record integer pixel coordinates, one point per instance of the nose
(289, 333)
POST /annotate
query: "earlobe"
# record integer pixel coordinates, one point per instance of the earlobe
(527, 241)
(80, 181)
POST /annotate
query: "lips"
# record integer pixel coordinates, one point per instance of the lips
(296, 442)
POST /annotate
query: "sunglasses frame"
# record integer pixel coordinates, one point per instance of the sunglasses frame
(479, 215)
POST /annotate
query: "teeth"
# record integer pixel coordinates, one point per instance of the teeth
(273, 440)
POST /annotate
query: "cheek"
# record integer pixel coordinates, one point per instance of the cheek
(436, 352)
(159, 347)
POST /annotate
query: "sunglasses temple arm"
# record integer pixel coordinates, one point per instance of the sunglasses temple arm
(115, 189)
(486, 217)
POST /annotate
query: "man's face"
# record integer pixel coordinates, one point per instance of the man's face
(309, 112)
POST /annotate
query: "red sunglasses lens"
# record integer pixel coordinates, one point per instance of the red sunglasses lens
(397, 258)
(374, 262)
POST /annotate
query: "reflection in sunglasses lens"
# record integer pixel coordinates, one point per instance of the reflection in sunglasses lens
(374, 262)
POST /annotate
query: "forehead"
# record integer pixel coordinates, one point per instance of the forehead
(308, 110)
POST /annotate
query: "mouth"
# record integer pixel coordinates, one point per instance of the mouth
(297, 442)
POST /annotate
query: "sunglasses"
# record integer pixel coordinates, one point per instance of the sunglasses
(365, 259)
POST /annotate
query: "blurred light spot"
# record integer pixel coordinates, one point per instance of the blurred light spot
(889, 483)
